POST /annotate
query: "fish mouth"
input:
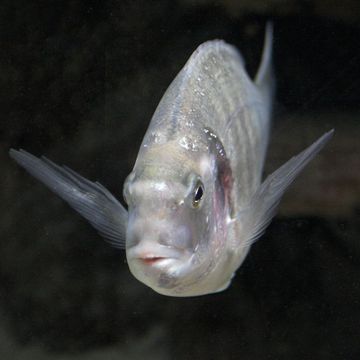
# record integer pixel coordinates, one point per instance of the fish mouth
(155, 262)
(152, 260)
(149, 256)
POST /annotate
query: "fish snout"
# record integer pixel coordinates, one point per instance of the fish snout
(150, 245)
(163, 233)
(179, 238)
(149, 252)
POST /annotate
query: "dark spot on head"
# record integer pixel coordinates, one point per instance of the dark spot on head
(167, 281)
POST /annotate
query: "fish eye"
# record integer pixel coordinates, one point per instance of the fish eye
(198, 194)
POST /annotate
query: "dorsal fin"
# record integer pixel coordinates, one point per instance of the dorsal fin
(264, 78)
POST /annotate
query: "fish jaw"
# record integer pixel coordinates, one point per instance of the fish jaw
(158, 249)
(183, 278)
(178, 272)
(157, 266)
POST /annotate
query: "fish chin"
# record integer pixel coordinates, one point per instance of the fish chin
(162, 274)
(179, 277)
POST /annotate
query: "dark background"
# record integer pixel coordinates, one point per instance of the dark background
(79, 83)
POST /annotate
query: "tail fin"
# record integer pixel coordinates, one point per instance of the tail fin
(264, 78)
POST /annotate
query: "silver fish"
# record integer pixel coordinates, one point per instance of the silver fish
(195, 199)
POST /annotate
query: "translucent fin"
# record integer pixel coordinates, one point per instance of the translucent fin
(93, 201)
(266, 57)
(264, 78)
(262, 208)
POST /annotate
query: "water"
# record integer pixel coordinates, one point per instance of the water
(80, 83)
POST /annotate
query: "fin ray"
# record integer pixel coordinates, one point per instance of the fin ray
(265, 80)
(265, 68)
(262, 208)
(92, 200)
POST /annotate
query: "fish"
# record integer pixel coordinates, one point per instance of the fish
(195, 198)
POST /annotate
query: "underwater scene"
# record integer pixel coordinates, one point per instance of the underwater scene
(180, 180)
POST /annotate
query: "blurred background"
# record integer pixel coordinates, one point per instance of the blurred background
(79, 83)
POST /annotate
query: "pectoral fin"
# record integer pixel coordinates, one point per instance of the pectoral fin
(90, 199)
(262, 208)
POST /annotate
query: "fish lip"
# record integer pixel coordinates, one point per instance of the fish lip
(150, 255)
(153, 260)
(160, 259)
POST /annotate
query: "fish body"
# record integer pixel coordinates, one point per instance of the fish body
(195, 198)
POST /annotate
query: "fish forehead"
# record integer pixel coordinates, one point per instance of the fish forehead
(210, 87)
(152, 191)
(174, 159)
(167, 173)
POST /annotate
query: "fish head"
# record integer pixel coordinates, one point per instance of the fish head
(178, 210)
